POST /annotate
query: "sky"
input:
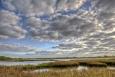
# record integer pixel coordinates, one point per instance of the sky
(57, 28)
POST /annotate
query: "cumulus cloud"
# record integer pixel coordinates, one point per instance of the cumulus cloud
(37, 7)
(38, 29)
(105, 13)
(9, 25)
(95, 29)
(62, 27)
(84, 32)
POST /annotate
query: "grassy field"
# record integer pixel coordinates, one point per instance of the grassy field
(67, 72)
(97, 67)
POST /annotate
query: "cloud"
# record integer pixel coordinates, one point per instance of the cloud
(105, 13)
(80, 34)
(104, 5)
(84, 32)
(9, 25)
(68, 46)
(38, 29)
(34, 8)
(62, 27)
(16, 48)
(37, 7)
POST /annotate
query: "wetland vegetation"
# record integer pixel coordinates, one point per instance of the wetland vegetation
(97, 67)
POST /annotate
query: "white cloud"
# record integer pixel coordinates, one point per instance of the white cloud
(84, 32)
(9, 25)
(37, 7)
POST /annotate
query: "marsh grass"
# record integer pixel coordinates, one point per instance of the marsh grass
(65, 64)
(67, 72)
(97, 68)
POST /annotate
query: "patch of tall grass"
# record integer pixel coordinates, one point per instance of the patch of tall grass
(92, 72)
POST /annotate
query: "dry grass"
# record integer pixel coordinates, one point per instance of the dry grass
(98, 69)
(92, 72)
